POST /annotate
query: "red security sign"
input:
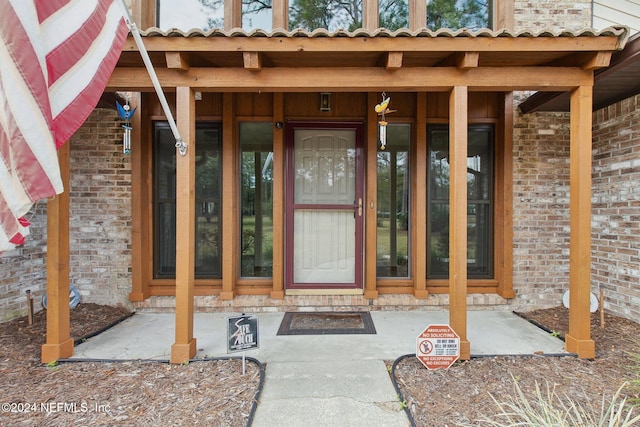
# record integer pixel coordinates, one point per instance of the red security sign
(438, 346)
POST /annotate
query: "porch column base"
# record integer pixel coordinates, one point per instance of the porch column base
(136, 296)
(227, 295)
(277, 295)
(370, 294)
(465, 350)
(420, 293)
(585, 349)
(182, 353)
(53, 352)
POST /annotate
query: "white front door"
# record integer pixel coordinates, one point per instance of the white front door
(324, 208)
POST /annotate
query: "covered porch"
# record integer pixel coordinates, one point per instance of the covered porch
(451, 79)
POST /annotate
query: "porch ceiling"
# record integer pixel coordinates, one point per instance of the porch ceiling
(423, 60)
(612, 84)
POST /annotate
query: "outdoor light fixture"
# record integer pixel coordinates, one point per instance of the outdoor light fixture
(325, 101)
(382, 109)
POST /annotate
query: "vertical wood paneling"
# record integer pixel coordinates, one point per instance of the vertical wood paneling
(278, 198)
(371, 201)
(419, 203)
(230, 224)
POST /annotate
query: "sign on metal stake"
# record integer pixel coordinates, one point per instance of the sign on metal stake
(438, 346)
(242, 335)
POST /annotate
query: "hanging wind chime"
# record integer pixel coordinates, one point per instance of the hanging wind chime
(382, 109)
(125, 112)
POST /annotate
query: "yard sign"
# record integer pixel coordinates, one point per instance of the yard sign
(438, 346)
(242, 333)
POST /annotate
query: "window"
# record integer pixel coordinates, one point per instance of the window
(256, 170)
(188, 14)
(393, 203)
(479, 202)
(257, 14)
(329, 14)
(394, 14)
(456, 14)
(207, 221)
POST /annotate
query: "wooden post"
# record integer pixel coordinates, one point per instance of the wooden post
(458, 134)
(59, 344)
(184, 347)
(419, 208)
(232, 14)
(277, 290)
(370, 14)
(230, 227)
(371, 200)
(578, 340)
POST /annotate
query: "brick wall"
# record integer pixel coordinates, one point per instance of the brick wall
(540, 209)
(616, 206)
(100, 219)
(100, 225)
(25, 268)
(551, 15)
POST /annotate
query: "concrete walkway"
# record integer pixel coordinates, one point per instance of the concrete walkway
(322, 380)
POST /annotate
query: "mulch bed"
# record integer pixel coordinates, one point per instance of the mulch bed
(214, 393)
(208, 393)
(462, 395)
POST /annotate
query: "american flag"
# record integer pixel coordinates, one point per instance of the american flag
(56, 57)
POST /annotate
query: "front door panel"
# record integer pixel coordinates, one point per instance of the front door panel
(324, 208)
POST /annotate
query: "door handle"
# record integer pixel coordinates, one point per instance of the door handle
(360, 206)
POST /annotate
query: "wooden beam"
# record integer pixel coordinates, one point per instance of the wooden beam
(371, 199)
(376, 44)
(461, 60)
(277, 291)
(184, 347)
(458, 136)
(578, 340)
(419, 205)
(417, 14)
(229, 200)
(394, 61)
(354, 79)
(177, 60)
(252, 61)
(586, 60)
(59, 344)
(598, 60)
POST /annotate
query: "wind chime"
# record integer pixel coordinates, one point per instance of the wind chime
(125, 112)
(382, 109)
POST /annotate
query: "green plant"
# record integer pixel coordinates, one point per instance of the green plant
(547, 409)
(52, 364)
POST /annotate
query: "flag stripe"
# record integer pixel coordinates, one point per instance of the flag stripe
(56, 56)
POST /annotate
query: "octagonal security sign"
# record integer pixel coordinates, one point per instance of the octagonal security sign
(438, 346)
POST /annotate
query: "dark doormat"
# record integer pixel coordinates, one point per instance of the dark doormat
(327, 323)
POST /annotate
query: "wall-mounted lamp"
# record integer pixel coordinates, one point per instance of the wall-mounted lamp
(325, 101)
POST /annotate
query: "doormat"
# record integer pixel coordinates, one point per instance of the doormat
(327, 323)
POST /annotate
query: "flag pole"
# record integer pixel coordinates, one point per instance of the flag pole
(180, 144)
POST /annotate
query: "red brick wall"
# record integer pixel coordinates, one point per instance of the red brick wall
(616, 206)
